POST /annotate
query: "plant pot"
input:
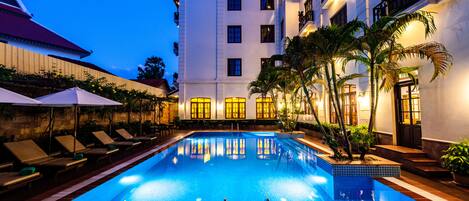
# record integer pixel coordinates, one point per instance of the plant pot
(460, 179)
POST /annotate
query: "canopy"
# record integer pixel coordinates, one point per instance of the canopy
(9, 97)
(75, 97)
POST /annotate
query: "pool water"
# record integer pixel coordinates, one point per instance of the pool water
(237, 166)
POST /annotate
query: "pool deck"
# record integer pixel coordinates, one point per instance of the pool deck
(417, 187)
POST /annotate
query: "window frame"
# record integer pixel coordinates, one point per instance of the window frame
(266, 1)
(228, 34)
(342, 12)
(240, 101)
(228, 8)
(348, 103)
(264, 26)
(262, 104)
(240, 67)
(206, 108)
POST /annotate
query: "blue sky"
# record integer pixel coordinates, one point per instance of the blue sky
(121, 33)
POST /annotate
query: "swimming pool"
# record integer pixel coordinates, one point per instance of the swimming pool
(215, 166)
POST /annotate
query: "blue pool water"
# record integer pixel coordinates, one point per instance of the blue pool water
(237, 166)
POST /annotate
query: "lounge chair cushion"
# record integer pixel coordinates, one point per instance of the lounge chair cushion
(99, 151)
(103, 137)
(26, 150)
(12, 178)
(67, 142)
(126, 135)
(57, 162)
(27, 171)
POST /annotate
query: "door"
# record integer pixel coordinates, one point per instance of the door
(409, 132)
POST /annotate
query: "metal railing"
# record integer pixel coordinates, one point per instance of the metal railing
(389, 8)
(305, 17)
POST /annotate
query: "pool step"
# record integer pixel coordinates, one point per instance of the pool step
(413, 160)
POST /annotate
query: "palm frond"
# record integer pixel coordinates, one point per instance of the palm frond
(343, 80)
(397, 26)
(433, 51)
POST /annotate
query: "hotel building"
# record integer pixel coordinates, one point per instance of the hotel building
(222, 44)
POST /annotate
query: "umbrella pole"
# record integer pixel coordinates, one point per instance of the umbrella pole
(51, 127)
(75, 127)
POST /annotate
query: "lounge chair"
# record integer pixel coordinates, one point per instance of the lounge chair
(106, 140)
(127, 136)
(29, 153)
(10, 180)
(67, 143)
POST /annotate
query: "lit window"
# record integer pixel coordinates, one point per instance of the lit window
(265, 108)
(349, 106)
(234, 67)
(267, 33)
(307, 108)
(234, 34)
(200, 108)
(267, 5)
(235, 108)
(234, 4)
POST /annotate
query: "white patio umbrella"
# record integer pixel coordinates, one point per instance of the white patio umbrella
(75, 97)
(9, 97)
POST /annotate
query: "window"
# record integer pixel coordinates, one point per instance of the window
(234, 4)
(267, 33)
(267, 5)
(234, 34)
(265, 63)
(235, 108)
(265, 108)
(340, 18)
(234, 67)
(307, 109)
(200, 108)
(349, 106)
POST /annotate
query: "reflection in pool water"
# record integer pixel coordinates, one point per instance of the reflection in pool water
(237, 166)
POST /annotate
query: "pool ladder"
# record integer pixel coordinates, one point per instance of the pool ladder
(237, 126)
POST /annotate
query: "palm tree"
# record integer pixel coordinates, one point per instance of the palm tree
(327, 46)
(380, 51)
(296, 59)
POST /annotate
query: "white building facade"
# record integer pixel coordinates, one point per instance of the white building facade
(427, 116)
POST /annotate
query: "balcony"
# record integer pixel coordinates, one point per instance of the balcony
(176, 18)
(304, 18)
(389, 8)
(176, 48)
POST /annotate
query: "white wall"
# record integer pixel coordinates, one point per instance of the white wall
(204, 52)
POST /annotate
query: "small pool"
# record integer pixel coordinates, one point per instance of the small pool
(252, 166)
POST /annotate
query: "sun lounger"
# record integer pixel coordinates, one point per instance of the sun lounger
(127, 136)
(29, 153)
(67, 143)
(106, 140)
(10, 180)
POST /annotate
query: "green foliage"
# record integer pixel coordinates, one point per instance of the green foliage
(6, 74)
(154, 68)
(361, 139)
(456, 158)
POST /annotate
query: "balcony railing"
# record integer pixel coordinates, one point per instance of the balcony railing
(176, 18)
(176, 48)
(389, 8)
(304, 18)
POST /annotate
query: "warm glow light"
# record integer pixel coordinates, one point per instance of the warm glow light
(129, 180)
(364, 101)
(317, 179)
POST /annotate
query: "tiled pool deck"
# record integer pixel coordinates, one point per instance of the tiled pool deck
(415, 190)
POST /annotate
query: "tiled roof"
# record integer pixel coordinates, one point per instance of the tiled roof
(17, 24)
(82, 63)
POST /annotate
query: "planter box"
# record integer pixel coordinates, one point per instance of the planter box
(294, 134)
(374, 166)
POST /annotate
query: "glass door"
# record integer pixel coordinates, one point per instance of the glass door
(409, 115)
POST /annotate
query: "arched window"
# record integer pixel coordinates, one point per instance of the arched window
(235, 108)
(200, 108)
(265, 108)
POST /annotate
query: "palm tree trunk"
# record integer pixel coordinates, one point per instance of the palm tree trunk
(372, 97)
(339, 115)
(316, 117)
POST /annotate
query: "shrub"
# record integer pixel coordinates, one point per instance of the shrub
(456, 158)
(359, 137)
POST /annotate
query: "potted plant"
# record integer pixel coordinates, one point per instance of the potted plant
(456, 160)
